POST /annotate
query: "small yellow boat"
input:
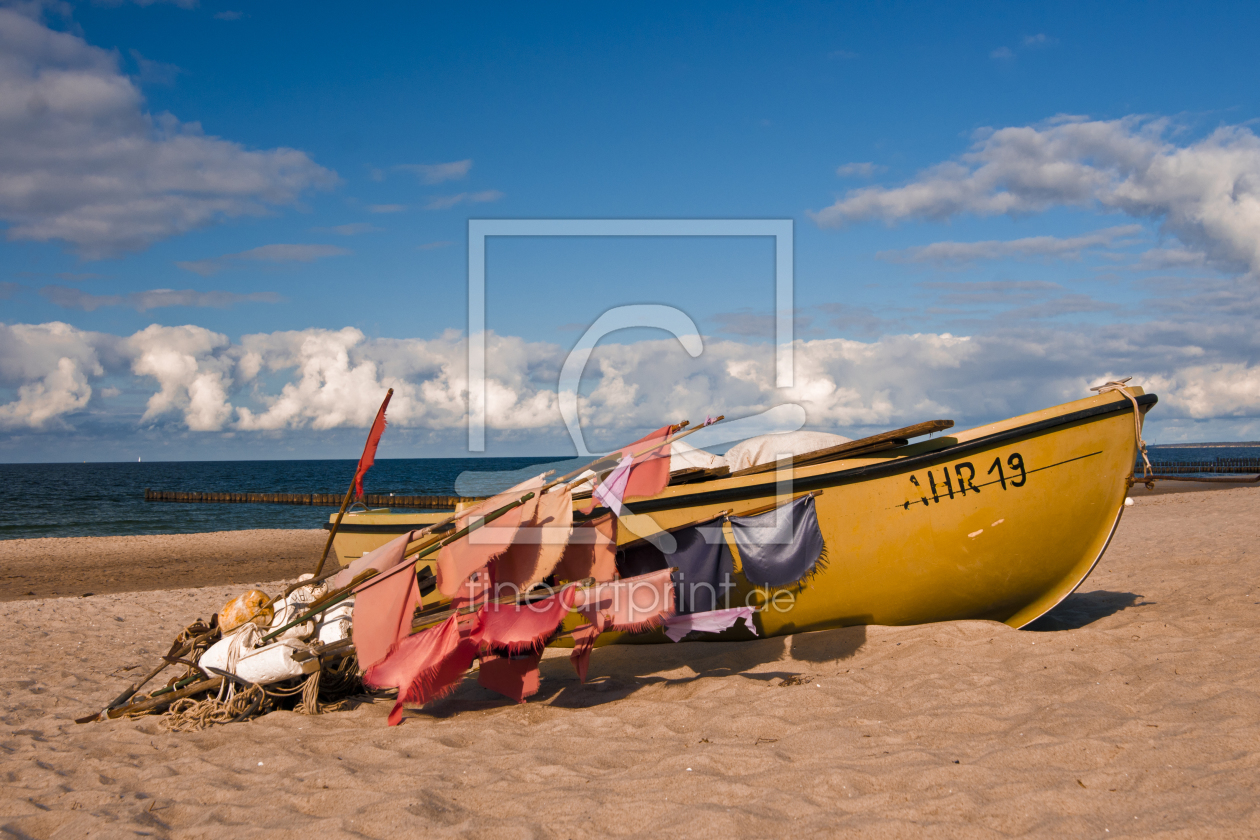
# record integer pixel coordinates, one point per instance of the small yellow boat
(999, 522)
(366, 530)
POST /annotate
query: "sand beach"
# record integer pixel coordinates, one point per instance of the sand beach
(1132, 710)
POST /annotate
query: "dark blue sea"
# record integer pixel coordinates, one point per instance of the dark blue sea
(89, 500)
(67, 500)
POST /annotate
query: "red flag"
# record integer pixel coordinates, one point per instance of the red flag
(369, 451)
(650, 473)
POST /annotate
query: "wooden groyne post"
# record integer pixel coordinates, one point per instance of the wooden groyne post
(314, 499)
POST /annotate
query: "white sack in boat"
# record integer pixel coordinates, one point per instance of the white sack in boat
(765, 449)
(684, 456)
(334, 624)
(224, 653)
(237, 654)
(274, 663)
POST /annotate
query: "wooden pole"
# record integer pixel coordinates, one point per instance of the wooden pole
(163, 700)
(332, 532)
(345, 503)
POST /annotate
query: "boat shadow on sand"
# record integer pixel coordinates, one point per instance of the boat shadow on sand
(617, 671)
(1084, 608)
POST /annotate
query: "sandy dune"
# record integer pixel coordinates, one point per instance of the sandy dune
(1134, 709)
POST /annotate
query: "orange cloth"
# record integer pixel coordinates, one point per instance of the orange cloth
(460, 559)
(591, 552)
(540, 542)
(515, 679)
(650, 473)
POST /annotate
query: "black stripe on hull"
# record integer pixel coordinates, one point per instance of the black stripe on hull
(892, 467)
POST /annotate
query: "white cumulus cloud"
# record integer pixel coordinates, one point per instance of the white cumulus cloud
(85, 163)
(49, 366)
(1205, 193)
(192, 366)
(319, 379)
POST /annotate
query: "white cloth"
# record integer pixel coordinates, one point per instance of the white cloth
(765, 449)
(684, 456)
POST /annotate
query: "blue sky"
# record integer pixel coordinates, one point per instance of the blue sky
(994, 207)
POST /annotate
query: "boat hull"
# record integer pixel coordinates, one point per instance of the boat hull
(1001, 522)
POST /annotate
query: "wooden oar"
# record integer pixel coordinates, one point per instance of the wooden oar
(167, 697)
(170, 658)
(874, 443)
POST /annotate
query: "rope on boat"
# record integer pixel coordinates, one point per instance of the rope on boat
(1120, 387)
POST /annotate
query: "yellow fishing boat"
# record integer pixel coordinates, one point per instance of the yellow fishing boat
(363, 531)
(999, 522)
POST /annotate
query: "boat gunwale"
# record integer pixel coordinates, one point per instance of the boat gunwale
(891, 466)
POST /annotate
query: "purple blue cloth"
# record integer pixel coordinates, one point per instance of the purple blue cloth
(780, 547)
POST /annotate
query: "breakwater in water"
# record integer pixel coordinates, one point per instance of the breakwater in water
(1216, 466)
(88, 500)
(391, 500)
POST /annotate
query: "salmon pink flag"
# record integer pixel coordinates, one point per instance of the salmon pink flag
(425, 666)
(515, 678)
(369, 451)
(458, 560)
(632, 604)
(650, 473)
(591, 552)
(540, 542)
(519, 628)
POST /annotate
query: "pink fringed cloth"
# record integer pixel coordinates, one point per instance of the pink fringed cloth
(515, 678)
(512, 640)
(540, 542)
(631, 605)
(464, 556)
(518, 628)
(650, 473)
(382, 606)
(381, 559)
(591, 552)
(427, 665)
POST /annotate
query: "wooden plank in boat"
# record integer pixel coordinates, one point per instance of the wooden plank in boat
(874, 443)
(691, 475)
